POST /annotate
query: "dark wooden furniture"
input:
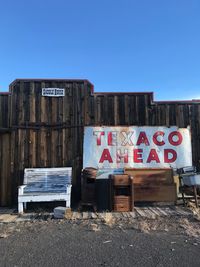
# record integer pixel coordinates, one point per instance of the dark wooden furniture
(103, 194)
(88, 178)
(123, 192)
(153, 185)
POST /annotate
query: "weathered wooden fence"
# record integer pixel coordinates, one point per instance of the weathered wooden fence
(5, 178)
(48, 131)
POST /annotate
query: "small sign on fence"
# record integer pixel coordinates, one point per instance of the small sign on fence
(53, 92)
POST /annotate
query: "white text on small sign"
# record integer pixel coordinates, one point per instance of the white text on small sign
(53, 92)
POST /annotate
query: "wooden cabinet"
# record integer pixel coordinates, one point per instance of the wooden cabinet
(88, 178)
(122, 192)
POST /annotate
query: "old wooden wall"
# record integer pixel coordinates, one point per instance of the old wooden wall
(121, 108)
(48, 131)
(140, 109)
(4, 112)
(182, 114)
(5, 178)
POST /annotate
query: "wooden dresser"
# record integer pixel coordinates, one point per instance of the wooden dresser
(153, 185)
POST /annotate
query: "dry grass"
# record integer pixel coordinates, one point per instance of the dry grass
(190, 228)
(195, 210)
(108, 219)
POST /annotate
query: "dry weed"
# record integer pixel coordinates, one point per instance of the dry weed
(190, 228)
(108, 219)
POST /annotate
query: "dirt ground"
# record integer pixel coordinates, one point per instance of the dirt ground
(170, 241)
(189, 226)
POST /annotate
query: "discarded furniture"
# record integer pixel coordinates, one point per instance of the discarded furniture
(45, 184)
(123, 192)
(88, 178)
(153, 185)
(103, 194)
(189, 183)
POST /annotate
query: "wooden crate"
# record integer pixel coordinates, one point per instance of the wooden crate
(154, 185)
(122, 203)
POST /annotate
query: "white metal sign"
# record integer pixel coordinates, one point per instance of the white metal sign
(137, 147)
(53, 92)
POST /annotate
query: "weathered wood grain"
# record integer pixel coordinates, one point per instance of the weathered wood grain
(48, 132)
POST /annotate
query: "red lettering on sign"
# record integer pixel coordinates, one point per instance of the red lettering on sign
(155, 138)
(106, 156)
(153, 156)
(112, 138)
(167, 153)
(137, 155)
(142, 139)
(179, 136)
(122, 155)
(98, 134)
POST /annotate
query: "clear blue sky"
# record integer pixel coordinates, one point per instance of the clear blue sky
(119, 45)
